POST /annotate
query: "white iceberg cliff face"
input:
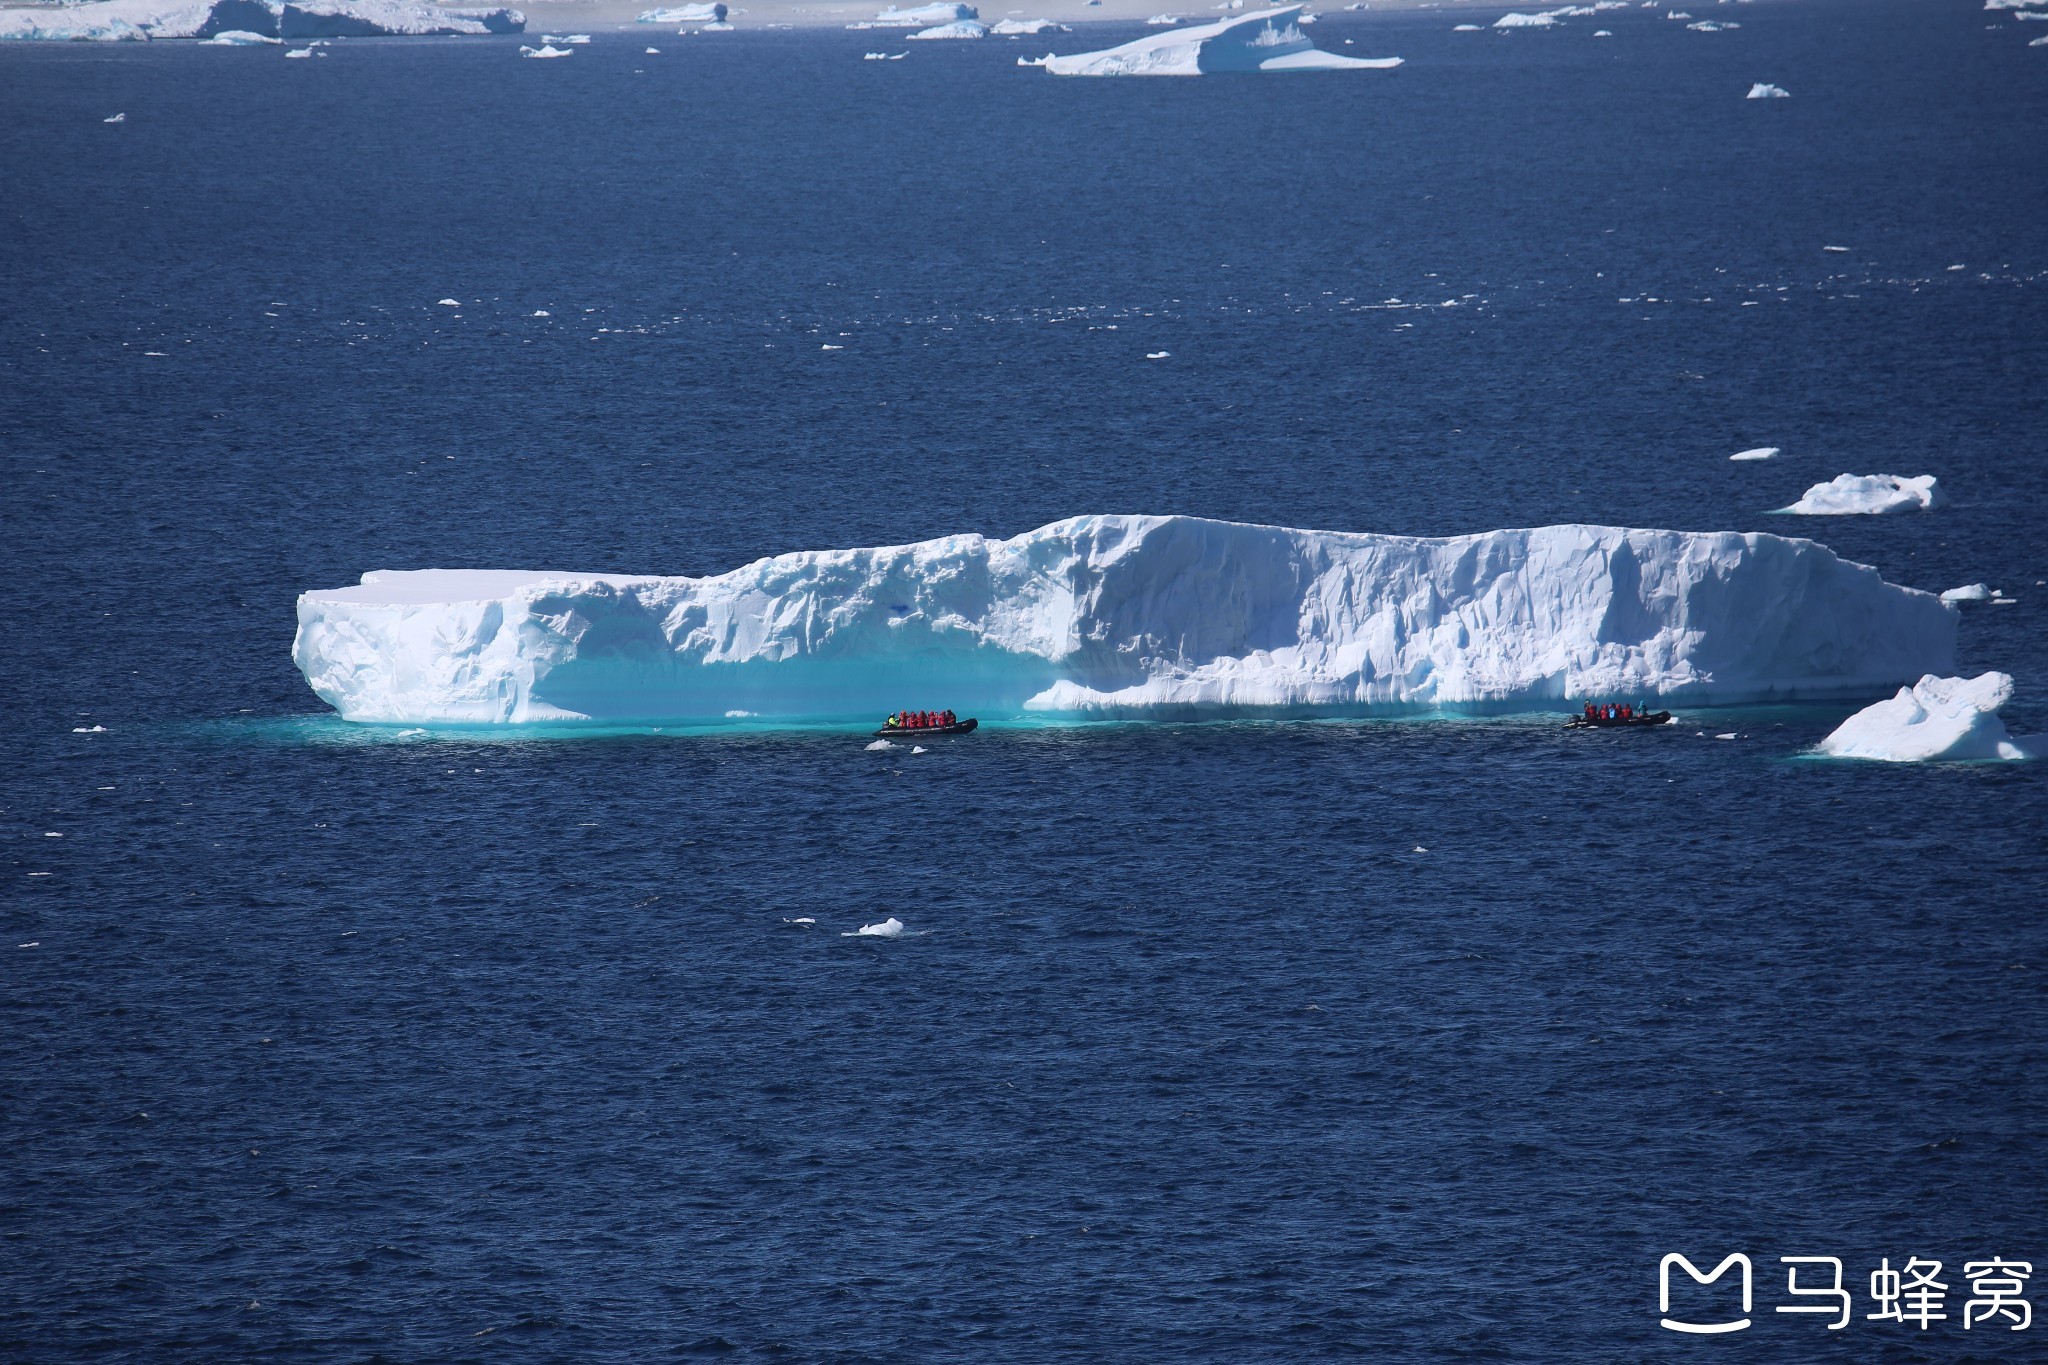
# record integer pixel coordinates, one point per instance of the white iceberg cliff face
(1264, 41)
(1936, 718)
(255, 20)
(1132, 615)
(1868, 495)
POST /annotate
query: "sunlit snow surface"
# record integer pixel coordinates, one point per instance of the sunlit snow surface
(134, 20)
(1936, 718)
(1131, 615)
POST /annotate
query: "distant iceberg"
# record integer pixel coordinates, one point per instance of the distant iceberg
(683, 14)
(1513, 20)
(924, 16)
(238, 38)
(1868, 494)
(1017, 28)
(1756, 453)
(546, 50)
(136, 20)
(1969, 592)
(1264, 41)
(959, 28)
(1763, 90)
(1132, 615)
(1935, 719)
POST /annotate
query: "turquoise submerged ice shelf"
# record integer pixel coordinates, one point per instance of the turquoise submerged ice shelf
(1134, 616)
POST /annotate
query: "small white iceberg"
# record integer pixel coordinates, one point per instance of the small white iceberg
(1763, 90)
(1158, 355)
(1971, 592)
(1709, 26)
(300, 52)
(1756, 453)
(117, 118)
(1163, 20)
(683, 14)
(1868, 495)
(1515, 20)
(1265, 41)
(923, 16)
(88, 729)
(526, 51)
(236, 37)
(451, 303)
(654, 52)
(888, 928)
(1017, 28)
(962, 28)
(880, 745)
(1934, 719)
(1468, 28)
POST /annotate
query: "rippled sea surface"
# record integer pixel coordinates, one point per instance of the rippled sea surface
(1249, 1040)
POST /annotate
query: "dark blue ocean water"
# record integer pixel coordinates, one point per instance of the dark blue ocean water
(1229, 1042)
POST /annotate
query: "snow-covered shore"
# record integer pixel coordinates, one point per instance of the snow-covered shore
(136, 20)
(1133, 615)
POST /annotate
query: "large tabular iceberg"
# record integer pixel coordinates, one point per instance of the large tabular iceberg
(1264, 41)
(1132, 615)
(118, 20)
(1936, 718)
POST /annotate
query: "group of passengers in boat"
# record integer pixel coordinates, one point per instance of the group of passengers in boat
(1610, 711)
(921, 720)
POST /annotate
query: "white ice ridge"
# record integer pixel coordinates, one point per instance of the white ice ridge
(1132, 615)
(1936, 718)
(1764, 90)
(1267, 40)
(117, 20)
(1868, 494)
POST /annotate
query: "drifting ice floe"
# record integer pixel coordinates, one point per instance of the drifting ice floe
(525, 51)
(1765, 91)
(683, 14)
(1014, 28)
(134, 20)
(1512, 20)
(1936, 718)
(888, 928)
(235, 37)
(117, 118)
(1132, 615)
(1868, 494)
(1757, 453)
(1265, 41)
(1974, 592)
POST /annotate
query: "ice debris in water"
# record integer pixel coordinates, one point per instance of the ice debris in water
(888, 928)
(1132, 615)
(1264, 41)
(1756, 453)
(1158, 355)
(880, 745)
(1936, 718)
(1763, 90)
(1012, 28)
(526, 51)
(1971, 592)
(1868, 495)
(801, 919)
(570, 40)
(300, 52)
(235, 37)
(919, 749)
(88, 729)
(450, 303)
(117, 118)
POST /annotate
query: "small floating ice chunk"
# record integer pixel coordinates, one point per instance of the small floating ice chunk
(737, 714)
(801, 919)
(1868, 495)
(828, 346)
(117, 118)
(1513, 19)
(88, 729)
(654, 52)
(1017, 28)
(1468, 28)
(236, 37)
(1838, 250)
(540, 312)
(299, 52)
(1756, 453)
(1730, 735)
(1709, 26)
(880, 745)
(1935, 718)
(526, 51)
(1158, 355)
(1603, 33)
(888, 928)
(569, 40)
(448, 303)
(1764, 90)
(1970, 592)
